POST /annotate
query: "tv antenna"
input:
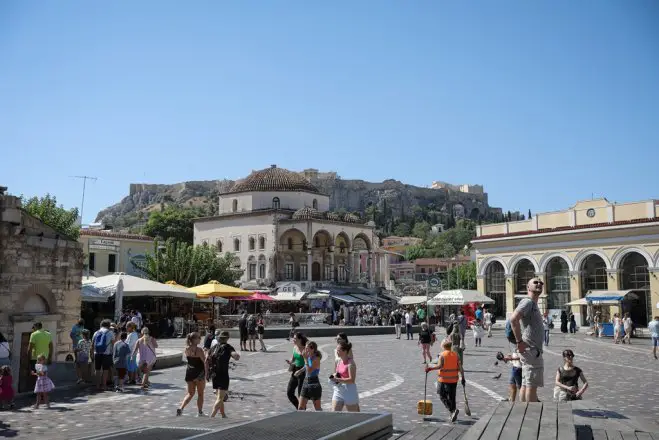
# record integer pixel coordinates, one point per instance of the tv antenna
(84, 186)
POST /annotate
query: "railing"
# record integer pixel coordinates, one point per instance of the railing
(276, 320)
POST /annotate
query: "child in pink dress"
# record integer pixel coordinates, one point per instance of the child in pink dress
(44, 384)
(6, 388)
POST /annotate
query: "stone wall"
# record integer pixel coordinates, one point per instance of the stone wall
(40, 279)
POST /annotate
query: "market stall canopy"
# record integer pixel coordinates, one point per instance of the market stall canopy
(347, 299)
(216, 289)
(90, 293)
(256, 296)
(459, 297)
(289, 291)
(317, 295)
(135, 286)
(367, 298)
(609, 296)
(578, 302)
(409, 300)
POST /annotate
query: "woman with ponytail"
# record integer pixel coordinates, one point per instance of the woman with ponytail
(311, 388)
(195, 373)
(345, 389)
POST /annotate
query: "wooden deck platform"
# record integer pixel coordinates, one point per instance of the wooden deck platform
(543, 421)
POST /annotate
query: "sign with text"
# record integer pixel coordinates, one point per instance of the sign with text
(448, 298)
(104, 245)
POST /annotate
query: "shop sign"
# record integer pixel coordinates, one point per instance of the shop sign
(104, 245)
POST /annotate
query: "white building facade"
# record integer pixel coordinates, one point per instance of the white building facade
(277, 225)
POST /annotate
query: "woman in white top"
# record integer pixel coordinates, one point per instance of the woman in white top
(617, 328)
(627, 324)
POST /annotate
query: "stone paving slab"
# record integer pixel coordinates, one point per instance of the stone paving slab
(390, 378)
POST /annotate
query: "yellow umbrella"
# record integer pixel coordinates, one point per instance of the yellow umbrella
(215, 288)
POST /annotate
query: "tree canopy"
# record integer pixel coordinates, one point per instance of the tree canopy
(188, 265)
(448, 244)
(56, 216)
(173, 222)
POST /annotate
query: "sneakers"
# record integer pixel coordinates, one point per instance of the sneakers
(454, 416)
(179, 411)
(201, 414)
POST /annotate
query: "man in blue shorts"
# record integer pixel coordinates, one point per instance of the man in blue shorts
(654, 332)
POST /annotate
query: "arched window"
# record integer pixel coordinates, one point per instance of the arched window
(261, 243)
(289, 242)
(275, 203)
(234, 207)
(218, 244)
(314, 204)
(252, 243)
(236, 245)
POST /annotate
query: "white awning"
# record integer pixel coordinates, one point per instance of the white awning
(409, 300)
(288, 296)
(94, 294)
(135, 286)
(459, 297)
(578, 302)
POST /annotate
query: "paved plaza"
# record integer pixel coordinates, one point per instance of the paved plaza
(390, 378)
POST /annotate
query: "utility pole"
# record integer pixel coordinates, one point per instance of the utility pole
(84, 186)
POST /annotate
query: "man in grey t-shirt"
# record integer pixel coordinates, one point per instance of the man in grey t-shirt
(527, 326)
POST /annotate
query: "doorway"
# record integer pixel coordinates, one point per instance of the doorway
(315, 271)
(26, 381)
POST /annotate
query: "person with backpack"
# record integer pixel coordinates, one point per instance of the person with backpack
(102, 342)
(218, 370)
(526, 330)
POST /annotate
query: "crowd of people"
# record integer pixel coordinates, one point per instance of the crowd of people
(212, 363)
(123, 354)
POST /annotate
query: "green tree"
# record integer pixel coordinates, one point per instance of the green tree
(462, 277)
(372, 213)
(402, 229)
(188, 265)
(414, 252)
(529, 216)
(421, 229)
(173, 223)
(48, 211)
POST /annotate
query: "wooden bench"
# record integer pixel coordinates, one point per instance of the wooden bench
(553, 421)
(434, 432)
(525, 421)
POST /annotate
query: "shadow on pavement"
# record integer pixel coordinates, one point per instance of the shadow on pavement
(598, 414)
(6, 431)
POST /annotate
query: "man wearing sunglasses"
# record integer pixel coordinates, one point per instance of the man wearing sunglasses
(527, 326)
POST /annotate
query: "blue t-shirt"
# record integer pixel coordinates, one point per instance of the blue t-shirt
(479, 314)
(654, 328)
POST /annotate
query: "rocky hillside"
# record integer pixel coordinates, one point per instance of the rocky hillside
(392, 196)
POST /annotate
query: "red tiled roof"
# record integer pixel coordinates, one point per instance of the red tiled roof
(274, 179)
(568, 228)
(112, 234)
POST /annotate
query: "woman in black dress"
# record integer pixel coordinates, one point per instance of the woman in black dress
(563, 322)
(195, 373)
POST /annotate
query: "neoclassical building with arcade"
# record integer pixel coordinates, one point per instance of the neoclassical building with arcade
(279, 227)
(595, 245)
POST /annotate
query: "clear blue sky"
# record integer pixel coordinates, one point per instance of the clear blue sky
(543, 102)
